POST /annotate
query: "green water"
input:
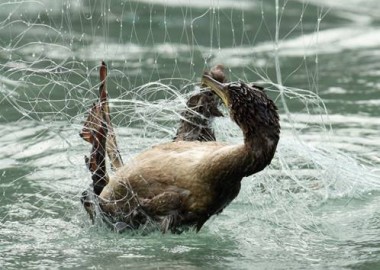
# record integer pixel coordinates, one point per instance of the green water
(317, 206)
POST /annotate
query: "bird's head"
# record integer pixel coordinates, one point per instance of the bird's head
(206, 102)
(250, 107)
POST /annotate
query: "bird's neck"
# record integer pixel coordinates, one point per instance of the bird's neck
(195, 128)
(233, 162)
(258, 150)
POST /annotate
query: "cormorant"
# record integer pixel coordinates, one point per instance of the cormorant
(181, 184)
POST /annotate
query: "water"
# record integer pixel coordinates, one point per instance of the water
(317, 206)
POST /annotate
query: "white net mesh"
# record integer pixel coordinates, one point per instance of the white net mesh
(156, 52)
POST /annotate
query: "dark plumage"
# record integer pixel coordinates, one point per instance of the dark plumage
(201, 108)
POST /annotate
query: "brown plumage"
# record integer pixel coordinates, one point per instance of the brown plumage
(181, 184)
(201, 108)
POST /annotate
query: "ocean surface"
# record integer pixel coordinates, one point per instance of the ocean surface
(317, 206)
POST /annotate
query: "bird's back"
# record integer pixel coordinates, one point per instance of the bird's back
(180, 165)
(191, 179)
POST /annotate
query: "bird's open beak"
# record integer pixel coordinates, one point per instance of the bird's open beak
(219, 88)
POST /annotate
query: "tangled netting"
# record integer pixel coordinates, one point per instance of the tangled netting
(156, 51)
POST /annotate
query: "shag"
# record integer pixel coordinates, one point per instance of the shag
(180, 184)
(201, 108)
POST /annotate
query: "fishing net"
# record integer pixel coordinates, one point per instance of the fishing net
(156, 52)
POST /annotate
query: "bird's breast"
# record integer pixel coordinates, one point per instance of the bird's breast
(182, 167)
(176, 164)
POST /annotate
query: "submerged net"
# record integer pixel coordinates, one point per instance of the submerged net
(156, 52)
